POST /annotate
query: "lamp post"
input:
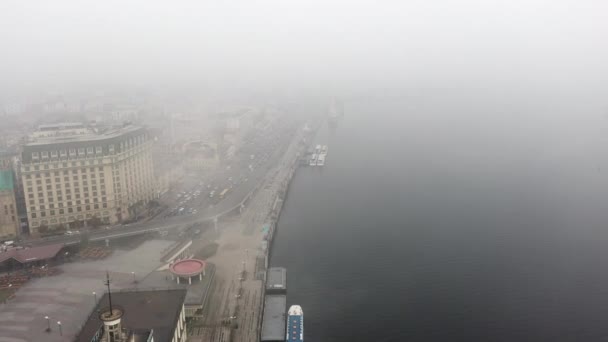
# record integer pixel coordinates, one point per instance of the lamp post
(60, 331)
(133, 274)
(95, 296)
(48, 324)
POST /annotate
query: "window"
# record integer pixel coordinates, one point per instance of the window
(63, 154)
(33, 215)
(89, 150)
(81, 151)
(34, 155)
(53, 154)
(61, 211)
(72, 153)
(111, 148)
(70, 210)
(97, 149)
(45, 154)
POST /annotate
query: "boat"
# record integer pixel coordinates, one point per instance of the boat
(295, 324)
(324, 149)
(321, 159)
(335, 111)
(313, 160)
(318, 149)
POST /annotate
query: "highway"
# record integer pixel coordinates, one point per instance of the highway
(270, 153)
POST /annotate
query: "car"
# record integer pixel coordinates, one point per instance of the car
(69, 232)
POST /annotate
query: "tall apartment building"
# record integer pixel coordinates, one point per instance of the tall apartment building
(9, 220)
(72, 176)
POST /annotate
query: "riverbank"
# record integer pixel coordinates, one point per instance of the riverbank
(235, 308)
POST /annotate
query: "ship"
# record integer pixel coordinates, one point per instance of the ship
(313, 160)
(321, 159)
(335, 111)
(295, 324)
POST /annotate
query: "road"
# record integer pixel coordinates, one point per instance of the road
(205, 212)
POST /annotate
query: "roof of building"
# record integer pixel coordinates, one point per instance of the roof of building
(273, 323)
(25, 255)
(6, 180)
(188, 267)
(277, 278)
(144, 310)
(107, 135)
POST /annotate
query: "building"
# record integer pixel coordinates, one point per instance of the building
(276, 283)
(9, 220)
(275, 319)
(144, 315)
(70, 176)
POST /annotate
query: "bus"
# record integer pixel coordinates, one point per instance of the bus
(223, 193)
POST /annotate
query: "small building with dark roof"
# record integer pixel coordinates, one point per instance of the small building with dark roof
(276, 282)
(144, 315)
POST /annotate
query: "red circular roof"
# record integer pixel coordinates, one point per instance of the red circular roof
(188, 267)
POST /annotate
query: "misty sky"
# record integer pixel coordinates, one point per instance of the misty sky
(315, 42)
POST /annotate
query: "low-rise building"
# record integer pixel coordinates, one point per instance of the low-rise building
(143, 315)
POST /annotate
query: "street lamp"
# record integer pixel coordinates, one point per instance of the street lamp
(133, 274)
(95, 295)
(48, 324)
(60, 331)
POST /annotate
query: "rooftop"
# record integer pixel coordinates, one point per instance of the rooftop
(92, 136)
(277, 279)
(156, 310)
(6, 180)
(273, 323)
(188, 267)
(24, 255)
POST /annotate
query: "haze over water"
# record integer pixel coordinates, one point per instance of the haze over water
(440, 217)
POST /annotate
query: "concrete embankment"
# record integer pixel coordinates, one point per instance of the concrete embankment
(280, 184)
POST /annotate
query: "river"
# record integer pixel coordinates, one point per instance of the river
(437, 218)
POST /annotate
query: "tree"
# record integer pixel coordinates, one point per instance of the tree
(95, 222)
(43, 229)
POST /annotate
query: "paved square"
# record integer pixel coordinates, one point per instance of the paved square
(68, 297)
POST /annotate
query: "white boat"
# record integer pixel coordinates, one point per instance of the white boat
(324, 149)
(313, 160)
(318, 149)
(321, 159)
(295, 324)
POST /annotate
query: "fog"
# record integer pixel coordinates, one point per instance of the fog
(519, 46)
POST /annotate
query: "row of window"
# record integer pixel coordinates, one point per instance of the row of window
(105, 217)
(69, 210)
(88, 151)
(72, 152)
(64, 165)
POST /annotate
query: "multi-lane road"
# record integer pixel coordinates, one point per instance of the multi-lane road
(267, 147)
